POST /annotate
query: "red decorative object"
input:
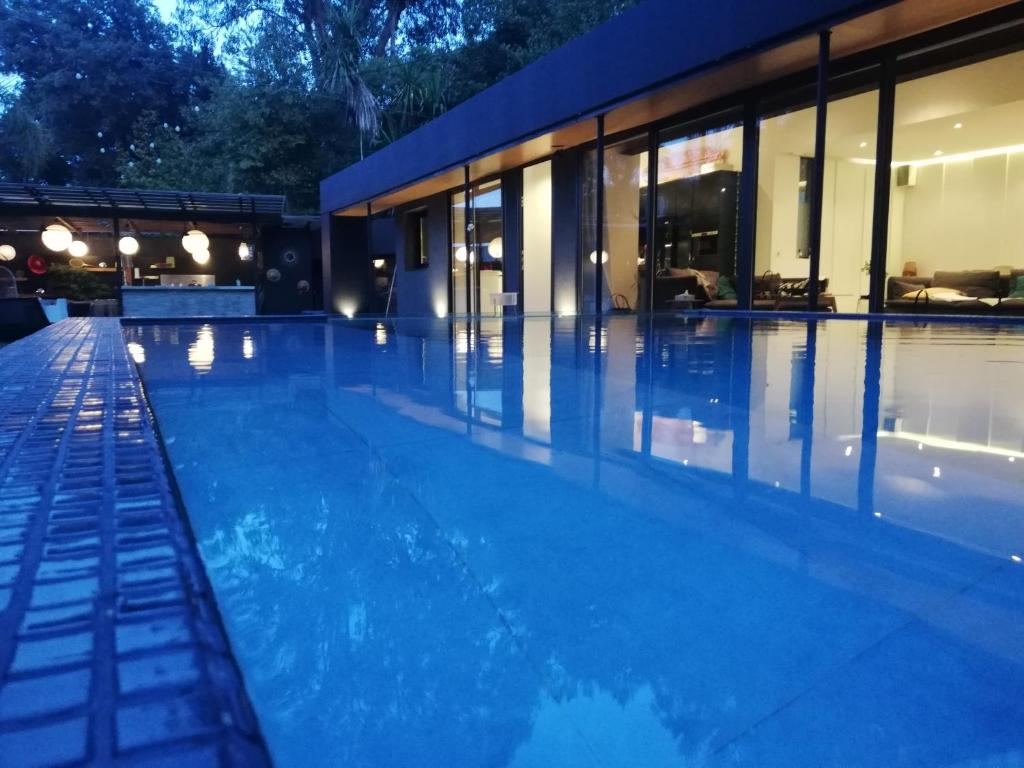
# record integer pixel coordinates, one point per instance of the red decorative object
(37, 265)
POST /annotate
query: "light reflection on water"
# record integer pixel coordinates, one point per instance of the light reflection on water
(547, 542)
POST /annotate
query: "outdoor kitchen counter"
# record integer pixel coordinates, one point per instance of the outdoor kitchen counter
(168, 301)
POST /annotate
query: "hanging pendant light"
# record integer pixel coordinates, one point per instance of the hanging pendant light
(604, 257)
(495, 248)
(7, 252)
(244, 251)
(195, 240)
(201, 257)
(78, 249)
(57, 237)
(128, 245)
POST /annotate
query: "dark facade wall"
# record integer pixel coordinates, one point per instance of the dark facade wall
(565, 230)
(423, 291)
(654, 43)
(293, 252)
(346, 262)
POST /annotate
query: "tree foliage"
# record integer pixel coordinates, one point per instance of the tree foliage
(248, 95)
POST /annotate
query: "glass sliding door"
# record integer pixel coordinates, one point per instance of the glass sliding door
(624, 232)
(696, 215)
(785, 167)
(477, 271)
(956, 212)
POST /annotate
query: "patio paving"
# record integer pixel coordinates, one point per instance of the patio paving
(111, 648)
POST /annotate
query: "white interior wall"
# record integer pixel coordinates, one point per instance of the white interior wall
(537, 238)
(959, 215)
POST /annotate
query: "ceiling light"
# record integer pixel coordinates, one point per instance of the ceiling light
(604, 257)
(937, 153)
(201, 257)
(57, 237)
(7, 252)
(244, 252)
(863, 144)
(461, 253)
(958, 126)
(128, 245)
(378, 263)
(78, 249)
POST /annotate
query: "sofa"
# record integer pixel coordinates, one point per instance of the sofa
(982, 292)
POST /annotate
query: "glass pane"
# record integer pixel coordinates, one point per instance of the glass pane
(785, 167)
(624, 250)
(955, 218)
(696, 217)
(487, 240)
(477, 265)
(625, 233)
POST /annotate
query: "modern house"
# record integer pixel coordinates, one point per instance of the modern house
(672, 152)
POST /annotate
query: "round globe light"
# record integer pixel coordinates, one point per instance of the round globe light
(461, 253)
(128, 245)
(7, 252)
(495, 248)
(201, 257)
(604, 257)
(195, 240)
(378, 263)
(57, 237)
(244, 252)
(78, 249)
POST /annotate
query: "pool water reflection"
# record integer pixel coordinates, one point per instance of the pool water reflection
(549, 542)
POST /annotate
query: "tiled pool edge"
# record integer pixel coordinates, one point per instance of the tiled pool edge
(111, 647)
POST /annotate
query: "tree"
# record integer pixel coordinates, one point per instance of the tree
(88, 70)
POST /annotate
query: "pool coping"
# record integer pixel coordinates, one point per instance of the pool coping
(112, 648)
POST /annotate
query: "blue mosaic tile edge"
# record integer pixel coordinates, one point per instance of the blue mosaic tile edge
(111, 648)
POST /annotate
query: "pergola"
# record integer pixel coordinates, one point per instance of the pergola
(25, 207)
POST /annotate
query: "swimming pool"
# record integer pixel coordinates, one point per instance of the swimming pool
(549, 542)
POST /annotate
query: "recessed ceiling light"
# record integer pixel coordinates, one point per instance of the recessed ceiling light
(958, 126)
(937, 152)
(863, 144)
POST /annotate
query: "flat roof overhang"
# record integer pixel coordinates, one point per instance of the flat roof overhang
(775, 40)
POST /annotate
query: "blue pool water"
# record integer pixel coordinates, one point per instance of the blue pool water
(711, 542)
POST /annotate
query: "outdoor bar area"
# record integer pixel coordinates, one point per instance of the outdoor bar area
(85, 251)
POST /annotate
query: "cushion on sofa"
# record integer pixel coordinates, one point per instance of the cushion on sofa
(981, 283)
(1016, 288)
